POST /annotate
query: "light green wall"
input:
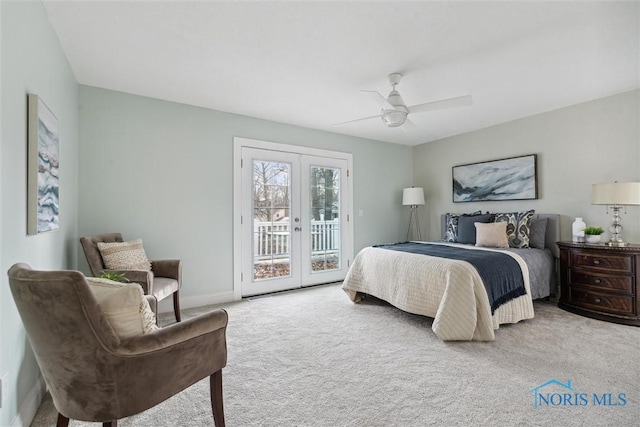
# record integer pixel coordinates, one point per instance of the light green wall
(577, 146)
(163, 171)
(32, 62)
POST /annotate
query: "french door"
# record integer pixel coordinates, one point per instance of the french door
(295, 224)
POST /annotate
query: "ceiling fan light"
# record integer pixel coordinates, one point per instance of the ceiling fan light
(395, 99)
(393, 118)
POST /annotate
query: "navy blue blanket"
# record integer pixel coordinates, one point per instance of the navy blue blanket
(500, 273)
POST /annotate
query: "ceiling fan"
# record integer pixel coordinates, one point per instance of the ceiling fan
(394, 112)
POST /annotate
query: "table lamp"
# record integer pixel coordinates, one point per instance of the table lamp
(616, 194)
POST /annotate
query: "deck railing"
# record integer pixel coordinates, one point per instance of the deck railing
(272, 238)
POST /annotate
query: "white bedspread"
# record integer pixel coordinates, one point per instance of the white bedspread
(450, 291)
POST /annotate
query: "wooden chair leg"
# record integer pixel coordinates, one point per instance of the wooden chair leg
(176, 305)
(216, 399)
(62, 421)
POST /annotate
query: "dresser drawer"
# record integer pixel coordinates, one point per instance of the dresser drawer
(617, 304)
(595, 279)
(621, 263)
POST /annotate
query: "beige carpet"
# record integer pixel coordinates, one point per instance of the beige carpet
(313, 358)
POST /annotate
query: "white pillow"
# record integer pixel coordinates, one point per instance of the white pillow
(124, 255)
(492, 235)
(124, 305)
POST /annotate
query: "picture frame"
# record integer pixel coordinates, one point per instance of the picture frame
(513, 178)
(43, 181)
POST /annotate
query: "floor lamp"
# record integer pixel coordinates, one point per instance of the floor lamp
(413, 197)
(616, 195)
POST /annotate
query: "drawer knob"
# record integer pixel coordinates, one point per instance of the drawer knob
(597, 281)
(596, 261)
(596, 300)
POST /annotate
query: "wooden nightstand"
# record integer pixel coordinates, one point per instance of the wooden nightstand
(601, 282)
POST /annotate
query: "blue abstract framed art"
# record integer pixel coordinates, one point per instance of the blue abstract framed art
(43, 182)
(514, 178)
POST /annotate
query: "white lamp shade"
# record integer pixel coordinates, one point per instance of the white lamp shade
(616, 193)
(413, 196)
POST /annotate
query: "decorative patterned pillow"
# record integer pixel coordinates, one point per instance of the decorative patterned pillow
(466, 228)
(125, 306)
(451, 225)
(492, 235)
(518, 227)
(124, 255)
(538, 233)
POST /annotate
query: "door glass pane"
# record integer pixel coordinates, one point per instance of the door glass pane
(271, 222)
(325, 218)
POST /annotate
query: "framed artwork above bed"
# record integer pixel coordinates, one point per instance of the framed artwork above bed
(514, 178)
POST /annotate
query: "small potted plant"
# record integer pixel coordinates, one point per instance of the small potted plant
(116, 277)
(592, 234)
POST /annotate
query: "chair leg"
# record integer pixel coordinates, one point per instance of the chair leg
(176, 305)
(216, 399)
(62, 421)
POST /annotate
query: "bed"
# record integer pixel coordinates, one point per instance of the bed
(452, 291)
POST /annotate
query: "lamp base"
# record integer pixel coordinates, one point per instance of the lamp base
(616, 229)
(617, 244)
(416, 223)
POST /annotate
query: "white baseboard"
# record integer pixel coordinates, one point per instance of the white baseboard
(166, 305)
(30, 405)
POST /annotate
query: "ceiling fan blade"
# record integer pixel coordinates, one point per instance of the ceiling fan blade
(357, 120)
(460, 101)
(378, 98)
(408, 126)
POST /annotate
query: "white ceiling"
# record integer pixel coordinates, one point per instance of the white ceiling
(304, 63)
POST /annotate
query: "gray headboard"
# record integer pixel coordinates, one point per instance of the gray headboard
(551, 237)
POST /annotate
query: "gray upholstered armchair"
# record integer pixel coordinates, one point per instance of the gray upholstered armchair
(164, 279)
(93, 374)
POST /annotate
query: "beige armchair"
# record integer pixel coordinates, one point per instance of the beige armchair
(94, 375)
(164, 279)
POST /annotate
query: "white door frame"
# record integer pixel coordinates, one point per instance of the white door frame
(238, 144)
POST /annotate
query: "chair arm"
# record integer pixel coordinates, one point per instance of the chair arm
(153, 304)
(151, 368)
(171, 268)
(175, 334)
(143, 277)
